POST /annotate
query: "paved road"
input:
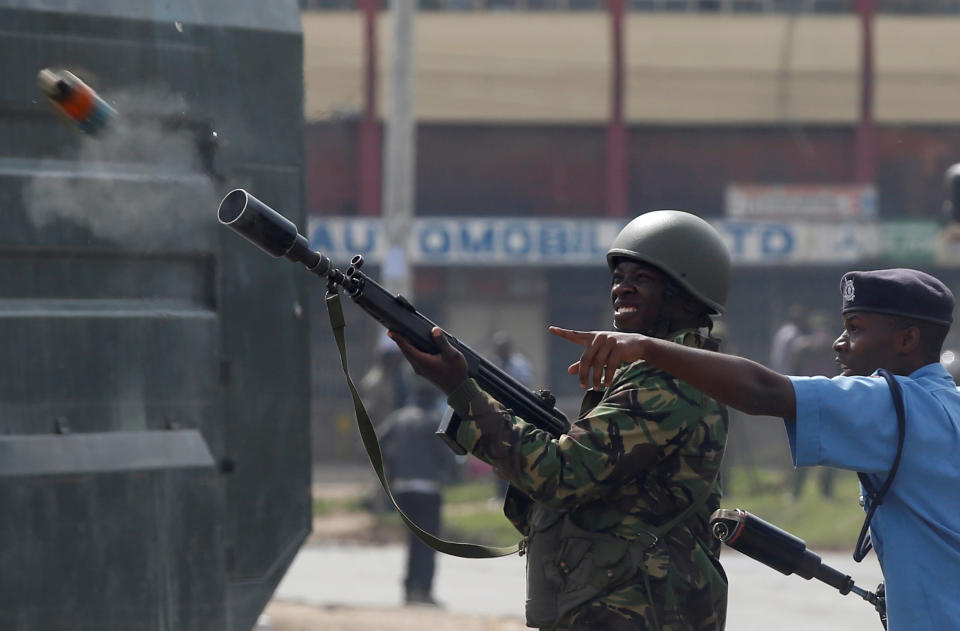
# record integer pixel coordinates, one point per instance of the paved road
(760, 598)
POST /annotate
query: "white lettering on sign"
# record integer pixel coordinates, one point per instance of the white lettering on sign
(801, 202)
(482, 241)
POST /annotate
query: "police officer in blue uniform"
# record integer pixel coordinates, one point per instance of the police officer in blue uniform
(894, 319)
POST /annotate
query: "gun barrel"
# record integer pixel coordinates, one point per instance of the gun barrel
(774, 547)
(277, 236)
(759, 540)
(269, 230)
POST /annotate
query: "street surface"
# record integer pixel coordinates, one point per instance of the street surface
(367, 576)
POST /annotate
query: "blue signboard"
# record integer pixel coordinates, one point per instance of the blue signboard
(482, 241)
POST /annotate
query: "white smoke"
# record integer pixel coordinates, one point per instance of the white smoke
(139, 180)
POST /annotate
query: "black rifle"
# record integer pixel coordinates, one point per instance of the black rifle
(278, 236)
(777, 548)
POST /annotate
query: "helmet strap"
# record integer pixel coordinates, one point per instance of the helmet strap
(675, 314)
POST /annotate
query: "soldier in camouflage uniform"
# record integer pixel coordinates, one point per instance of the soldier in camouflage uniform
(615, 512)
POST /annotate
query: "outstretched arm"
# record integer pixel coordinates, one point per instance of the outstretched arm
(735, 381)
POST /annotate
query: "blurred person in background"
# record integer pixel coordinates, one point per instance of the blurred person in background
(741, 453)
(813, 356)
(417, 467)
(615, 512)
(384, 389)
(515, 364)
(783, 344)
(894, 319)
(509, 360)
(385, 386)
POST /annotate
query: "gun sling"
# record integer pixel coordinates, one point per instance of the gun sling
(369, 437)
(873, 495)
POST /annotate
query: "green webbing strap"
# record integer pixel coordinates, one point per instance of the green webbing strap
(694, 505)
(369, 436)
(666, 528)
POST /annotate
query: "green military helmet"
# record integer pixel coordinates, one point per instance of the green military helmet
(685, 247)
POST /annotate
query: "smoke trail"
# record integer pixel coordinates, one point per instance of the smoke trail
(142, 179)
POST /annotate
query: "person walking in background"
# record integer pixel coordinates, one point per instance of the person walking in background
(417, 466)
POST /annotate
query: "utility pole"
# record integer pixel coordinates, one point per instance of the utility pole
(369, 157)
(400, 155)
(616, 164)
(865, 156)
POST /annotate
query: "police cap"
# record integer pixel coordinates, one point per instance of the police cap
(901, 292)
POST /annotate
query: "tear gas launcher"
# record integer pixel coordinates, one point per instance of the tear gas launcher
(782, 551)
(278, 236)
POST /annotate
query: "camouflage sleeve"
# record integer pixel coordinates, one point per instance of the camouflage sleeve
(640, 421)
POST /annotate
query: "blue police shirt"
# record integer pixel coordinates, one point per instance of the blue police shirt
(850, 423)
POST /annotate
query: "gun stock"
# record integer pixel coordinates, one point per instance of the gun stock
(278, 236)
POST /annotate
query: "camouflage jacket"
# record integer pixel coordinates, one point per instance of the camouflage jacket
(638, 455)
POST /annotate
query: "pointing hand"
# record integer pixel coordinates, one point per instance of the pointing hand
(603, 352)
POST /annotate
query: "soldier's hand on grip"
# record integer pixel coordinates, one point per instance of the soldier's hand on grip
(446, 369)
(603, 352)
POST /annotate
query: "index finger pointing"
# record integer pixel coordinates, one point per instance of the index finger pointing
(583, 338)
